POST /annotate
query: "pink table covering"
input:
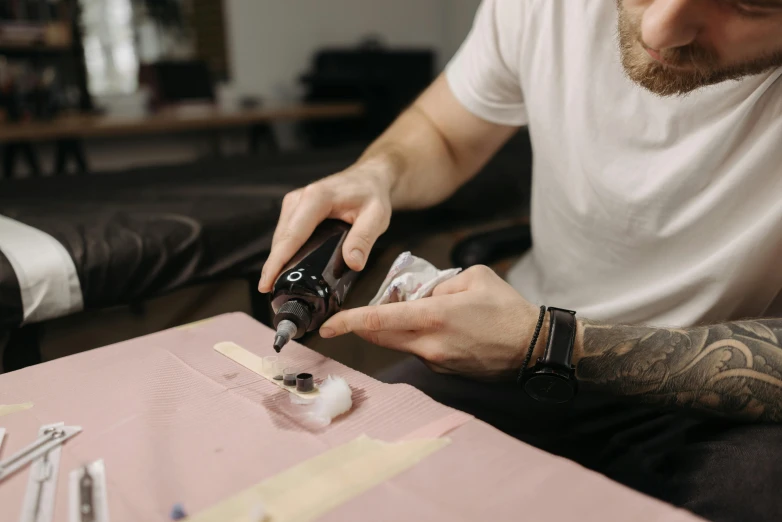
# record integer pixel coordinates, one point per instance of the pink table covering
(176, 421)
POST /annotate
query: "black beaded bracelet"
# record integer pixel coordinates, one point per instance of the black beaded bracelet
(532, 343)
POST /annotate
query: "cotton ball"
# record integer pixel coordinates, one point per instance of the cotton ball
(298, 400)
(334, 399)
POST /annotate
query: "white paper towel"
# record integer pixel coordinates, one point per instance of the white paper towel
(410, 278)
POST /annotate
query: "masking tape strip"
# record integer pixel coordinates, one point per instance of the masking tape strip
(254, 363)
(187, 326)
(309, 490)
(8, 409)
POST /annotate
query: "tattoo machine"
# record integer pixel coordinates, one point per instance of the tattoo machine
(313, 286)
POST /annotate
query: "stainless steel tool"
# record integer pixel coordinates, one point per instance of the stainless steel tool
(49, 438)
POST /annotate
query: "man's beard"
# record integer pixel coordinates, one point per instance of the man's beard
(702, 66)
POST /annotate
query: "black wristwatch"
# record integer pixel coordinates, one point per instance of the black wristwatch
(553, 378)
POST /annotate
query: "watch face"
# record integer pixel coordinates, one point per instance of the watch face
(549, 388)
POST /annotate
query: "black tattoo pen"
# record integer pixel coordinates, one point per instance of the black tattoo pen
(313, 285)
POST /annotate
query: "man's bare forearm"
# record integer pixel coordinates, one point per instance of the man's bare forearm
(732, 369)
(416, 159)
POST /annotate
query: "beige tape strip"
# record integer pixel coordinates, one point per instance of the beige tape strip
(316, 486)
(193, 324)
(8, 409)
(252, 362)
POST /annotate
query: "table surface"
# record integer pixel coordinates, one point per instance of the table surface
(176, 421)
(173, 120)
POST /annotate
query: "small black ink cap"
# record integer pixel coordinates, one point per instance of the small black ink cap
(304, 383)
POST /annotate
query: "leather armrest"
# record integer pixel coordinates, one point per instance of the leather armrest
(492, 246)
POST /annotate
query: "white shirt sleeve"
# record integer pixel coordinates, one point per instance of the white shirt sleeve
(483, 75)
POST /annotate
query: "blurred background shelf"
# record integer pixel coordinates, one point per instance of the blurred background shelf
(55, 36)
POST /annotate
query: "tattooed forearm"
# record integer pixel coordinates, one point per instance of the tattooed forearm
(732, 369)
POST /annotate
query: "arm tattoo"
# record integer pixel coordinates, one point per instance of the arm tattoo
(732, 369)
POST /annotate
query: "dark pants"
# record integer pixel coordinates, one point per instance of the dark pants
(722, 471)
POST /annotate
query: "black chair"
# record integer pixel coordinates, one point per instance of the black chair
(491, 247)
(487, 248)
(384, 80)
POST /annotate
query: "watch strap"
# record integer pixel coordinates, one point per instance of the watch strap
(561, 339)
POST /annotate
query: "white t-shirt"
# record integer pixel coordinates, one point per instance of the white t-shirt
(645, 209)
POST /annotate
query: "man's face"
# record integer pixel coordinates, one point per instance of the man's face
(676, 46)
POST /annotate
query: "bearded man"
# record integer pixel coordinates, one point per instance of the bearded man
(641, 335)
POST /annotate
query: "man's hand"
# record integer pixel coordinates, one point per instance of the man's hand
(430, 150)
(478, 326)
(359, 195)
(474, 325)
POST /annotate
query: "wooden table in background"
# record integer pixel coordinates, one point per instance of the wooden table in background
(88, 126)
(68, 130)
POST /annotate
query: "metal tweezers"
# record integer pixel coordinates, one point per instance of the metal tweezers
(51, 438)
